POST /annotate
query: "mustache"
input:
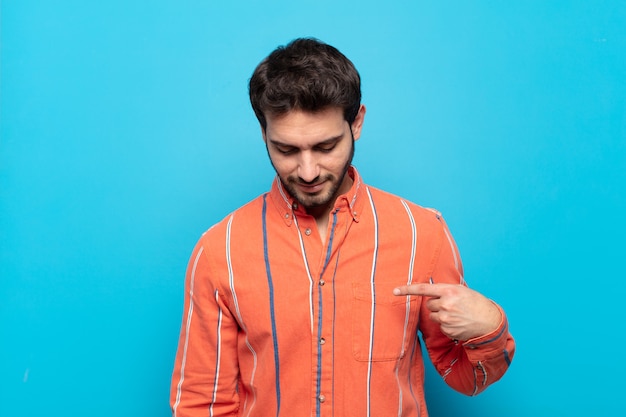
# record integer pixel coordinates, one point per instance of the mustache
(298, 180)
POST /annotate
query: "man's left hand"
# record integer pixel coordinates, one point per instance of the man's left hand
(461, 312)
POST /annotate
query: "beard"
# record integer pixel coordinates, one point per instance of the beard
(324, 198)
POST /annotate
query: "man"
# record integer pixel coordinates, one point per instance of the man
(309, 299)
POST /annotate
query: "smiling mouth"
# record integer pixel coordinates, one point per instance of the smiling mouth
(311, 188)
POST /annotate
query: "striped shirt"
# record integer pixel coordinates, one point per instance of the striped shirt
(278, 323)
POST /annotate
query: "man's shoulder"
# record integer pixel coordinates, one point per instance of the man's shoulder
(391, 201)
(249, 211)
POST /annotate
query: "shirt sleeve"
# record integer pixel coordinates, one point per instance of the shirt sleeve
(204, 380)
(471, 366)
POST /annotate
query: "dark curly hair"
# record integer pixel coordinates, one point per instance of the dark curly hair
(307, 75)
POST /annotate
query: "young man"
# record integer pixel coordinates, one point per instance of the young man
(309, 299)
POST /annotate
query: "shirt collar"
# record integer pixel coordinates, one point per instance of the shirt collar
(350, 202)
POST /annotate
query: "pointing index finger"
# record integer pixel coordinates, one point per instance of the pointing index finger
(428, 290)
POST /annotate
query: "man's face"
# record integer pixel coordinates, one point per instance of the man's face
(311, 153)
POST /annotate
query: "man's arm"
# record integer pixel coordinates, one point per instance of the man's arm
(466, 334)
(205, 369)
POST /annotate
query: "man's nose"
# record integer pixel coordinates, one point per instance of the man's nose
(308, 168)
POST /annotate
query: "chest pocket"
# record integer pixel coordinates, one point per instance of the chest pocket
(383, 325)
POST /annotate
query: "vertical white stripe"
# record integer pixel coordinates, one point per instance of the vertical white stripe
(482, 368)
(219, 354)
(452, 247)
(308, 272)
(475, 383)
(231, 283)
(306, 262)
(282, 192)
(356, 191)
(409, 280)
(372, 273)
(454, 254)
(449, 370)
(187, 327)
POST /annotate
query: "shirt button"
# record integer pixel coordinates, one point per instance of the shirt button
(322, 282)
(307, 232)
(295, 206)
(322, 341)
(286, 215)
(321, 398)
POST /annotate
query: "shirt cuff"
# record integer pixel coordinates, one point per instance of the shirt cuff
(491, 344)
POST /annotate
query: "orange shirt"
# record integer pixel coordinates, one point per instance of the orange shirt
(278, 323)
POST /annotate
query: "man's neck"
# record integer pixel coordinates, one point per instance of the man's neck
(322, 213)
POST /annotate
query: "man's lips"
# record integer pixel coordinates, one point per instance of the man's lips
(311, 188)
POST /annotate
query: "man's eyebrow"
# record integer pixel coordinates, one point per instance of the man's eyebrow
(320, 143)
(331, 140)
(278, 143)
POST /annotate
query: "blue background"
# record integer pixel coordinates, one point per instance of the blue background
(126, 132)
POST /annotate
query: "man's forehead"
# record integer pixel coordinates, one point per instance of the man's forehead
(306, 128)
(295, 118)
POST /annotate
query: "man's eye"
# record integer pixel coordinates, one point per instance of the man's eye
(285, 151)
(326, 148)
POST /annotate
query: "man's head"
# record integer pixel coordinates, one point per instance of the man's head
(307, 98)
(306, 75)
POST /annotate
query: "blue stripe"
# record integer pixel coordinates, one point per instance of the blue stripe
(330, 242)
(496, 337)
(319, 315)
(507, 358)
(319, 351)
(333, 330)
(272, 313)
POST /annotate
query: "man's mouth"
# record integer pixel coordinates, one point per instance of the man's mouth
(311, 188)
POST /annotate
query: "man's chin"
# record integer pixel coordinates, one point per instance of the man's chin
(312, 203)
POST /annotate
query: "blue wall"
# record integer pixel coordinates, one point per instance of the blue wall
(126, 132)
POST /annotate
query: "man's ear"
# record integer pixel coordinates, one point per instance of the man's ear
(357, 124)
